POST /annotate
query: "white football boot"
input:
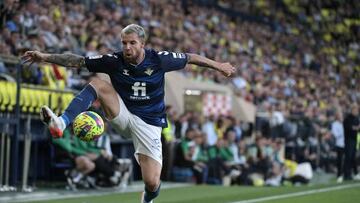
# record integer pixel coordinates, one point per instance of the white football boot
(143, 198)
(55, 124)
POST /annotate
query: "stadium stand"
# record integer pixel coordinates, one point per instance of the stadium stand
(297, 61)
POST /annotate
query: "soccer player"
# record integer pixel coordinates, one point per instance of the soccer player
(134, 102)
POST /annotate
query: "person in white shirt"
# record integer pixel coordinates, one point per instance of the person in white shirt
(209, 129)
(337, 130)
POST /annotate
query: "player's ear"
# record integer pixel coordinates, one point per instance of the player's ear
(142, 43)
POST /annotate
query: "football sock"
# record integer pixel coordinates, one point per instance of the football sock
(78, 177)
(150, 195)
(80, 103)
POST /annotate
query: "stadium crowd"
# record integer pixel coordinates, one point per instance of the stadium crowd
(298, 69)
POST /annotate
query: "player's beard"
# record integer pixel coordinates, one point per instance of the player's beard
(133, 57)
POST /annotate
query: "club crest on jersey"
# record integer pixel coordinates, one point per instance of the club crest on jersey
(126, 72)
(149, 71)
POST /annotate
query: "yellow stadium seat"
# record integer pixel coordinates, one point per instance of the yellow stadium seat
(55, 102)
(66, 100)
(4, 96)
(11, 87)
(48, 77)
(24, 99)
(30, 99)
(34, 100)
(43, 99)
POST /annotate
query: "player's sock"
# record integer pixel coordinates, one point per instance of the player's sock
(150, 195)
(80, 103)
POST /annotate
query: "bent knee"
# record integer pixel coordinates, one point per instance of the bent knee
(80, 160)
(152, 184)
(100, 85)
(83, 160)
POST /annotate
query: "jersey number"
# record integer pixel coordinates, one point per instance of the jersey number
(139, 89)
(174, 55)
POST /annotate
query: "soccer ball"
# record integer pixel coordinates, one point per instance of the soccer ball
(88, 126)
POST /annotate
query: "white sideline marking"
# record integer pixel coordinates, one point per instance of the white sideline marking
(17, 197)
(296, 194)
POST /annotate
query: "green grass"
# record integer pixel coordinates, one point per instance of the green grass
(219, 194)
(339, 196)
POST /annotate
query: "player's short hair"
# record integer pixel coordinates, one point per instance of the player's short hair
(134, 28)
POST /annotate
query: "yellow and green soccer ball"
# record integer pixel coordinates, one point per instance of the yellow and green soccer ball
(88, 126)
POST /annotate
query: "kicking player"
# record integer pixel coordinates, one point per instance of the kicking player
(134, 103)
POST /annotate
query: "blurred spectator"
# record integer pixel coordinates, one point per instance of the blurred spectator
(210, 130)
(351, 128)
(235, 125)
(220, 157)
(188, 162)
(337, 130)
(168, 142)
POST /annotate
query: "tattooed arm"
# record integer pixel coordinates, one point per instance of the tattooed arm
(225, 68)
(67, 60)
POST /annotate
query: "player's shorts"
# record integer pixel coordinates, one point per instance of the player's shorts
(146, 137)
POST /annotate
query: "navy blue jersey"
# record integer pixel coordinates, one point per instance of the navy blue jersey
(141, 86)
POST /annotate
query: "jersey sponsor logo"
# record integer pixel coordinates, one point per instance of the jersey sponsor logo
(126, 72)
(96, 57)
(149, 71)
(139, 91)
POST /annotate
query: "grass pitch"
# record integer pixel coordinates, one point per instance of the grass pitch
(325, 193)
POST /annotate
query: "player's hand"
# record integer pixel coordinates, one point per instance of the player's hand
(227, 69)
(32, 56)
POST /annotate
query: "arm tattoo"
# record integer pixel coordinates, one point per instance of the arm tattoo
(67, 60)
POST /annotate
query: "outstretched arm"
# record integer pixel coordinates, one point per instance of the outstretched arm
(67, 60)
(225, 68)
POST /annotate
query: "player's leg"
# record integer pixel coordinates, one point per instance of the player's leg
(148, 153)
(108, 97)
(84, 166)
(151, 171)
(95, 89)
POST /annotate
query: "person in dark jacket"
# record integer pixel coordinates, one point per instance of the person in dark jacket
(351, 128)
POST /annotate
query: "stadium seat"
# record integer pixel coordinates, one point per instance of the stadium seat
(56, 102)
(11, 88)
(25, 99)
(34, 100)
(4, 99)
(67, 97)
(6, 96)
(44, 99)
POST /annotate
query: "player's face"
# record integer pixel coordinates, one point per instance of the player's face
(132, 47)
